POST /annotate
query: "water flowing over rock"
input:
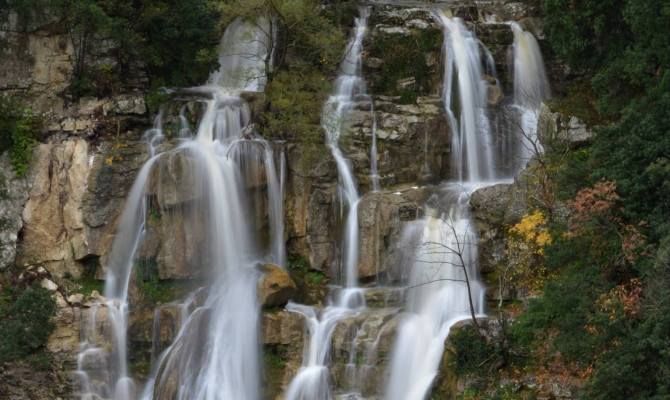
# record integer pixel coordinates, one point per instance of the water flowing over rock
(203, 229)
(312, 380)
(424, 143)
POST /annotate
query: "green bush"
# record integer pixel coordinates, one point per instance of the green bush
(18, 129)
(408, 60)
(470, 351)
(25, 322)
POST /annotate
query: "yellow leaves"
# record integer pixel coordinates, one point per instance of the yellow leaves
(525, 249)
(533, 232)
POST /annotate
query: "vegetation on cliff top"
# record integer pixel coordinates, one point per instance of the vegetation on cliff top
(174, 40)
(18, 130)
(605, 310)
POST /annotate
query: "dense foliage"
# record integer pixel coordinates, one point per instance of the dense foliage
(307, 49)
(605, 310)
(25, 321)
(18, 129)
(174, 40)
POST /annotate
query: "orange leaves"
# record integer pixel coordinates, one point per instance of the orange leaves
(597, 207)
(624, 298)
(591, 203)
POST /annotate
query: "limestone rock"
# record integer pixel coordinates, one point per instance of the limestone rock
(65, 337)
(173, 180)
(553, 126)
(54, 230)
(113, 169)
(493, 211)
(275, 287)
(381, 215)
(370, 334)
(282, 328)
(412, 140)
(48, 285)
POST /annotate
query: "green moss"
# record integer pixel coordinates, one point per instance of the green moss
(163, 291)
(315, 277)
(18, 129)
(86, 285)
(158, 291)
(274, 364)
(312, 284)
(405, 57)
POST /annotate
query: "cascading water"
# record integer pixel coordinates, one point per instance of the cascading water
(374, 172)
(531, 88)
(472, 148)
(216, 352)
(312, 381)
(443, 287)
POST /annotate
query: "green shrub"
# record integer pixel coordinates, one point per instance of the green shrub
(470, 350)
(405, 57)
(18, 129)
(25, 322)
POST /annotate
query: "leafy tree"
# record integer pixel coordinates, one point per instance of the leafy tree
(25, 322)
(307, 45)
(18, 129)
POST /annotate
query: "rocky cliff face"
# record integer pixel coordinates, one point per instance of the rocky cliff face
(61, 218)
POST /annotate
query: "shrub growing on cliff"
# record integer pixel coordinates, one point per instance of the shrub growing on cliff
(307, 50)
(25, 322)
(18, 128)
(174, 40)
(470, 351)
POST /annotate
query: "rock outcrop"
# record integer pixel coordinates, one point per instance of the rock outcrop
(275, 287)
(54, 231)
(381, 216)
(555, 127)
(13, 196)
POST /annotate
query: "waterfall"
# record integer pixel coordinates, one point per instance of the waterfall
(464, 88)
(349, 83)
(216, 353)
(444, 265)
(374, 173)
(443, 286)
(531, 88)
(312, 382)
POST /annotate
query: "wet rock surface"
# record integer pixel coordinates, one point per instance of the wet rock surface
(275, 286)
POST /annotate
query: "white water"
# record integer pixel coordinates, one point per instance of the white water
(312, 382)
(374, 173)
(443, 287)
(349, 83)
(531, 88)
(437, 294)
(472, 148)
(216, 353)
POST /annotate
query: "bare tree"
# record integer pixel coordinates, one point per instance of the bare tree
(454, 252)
